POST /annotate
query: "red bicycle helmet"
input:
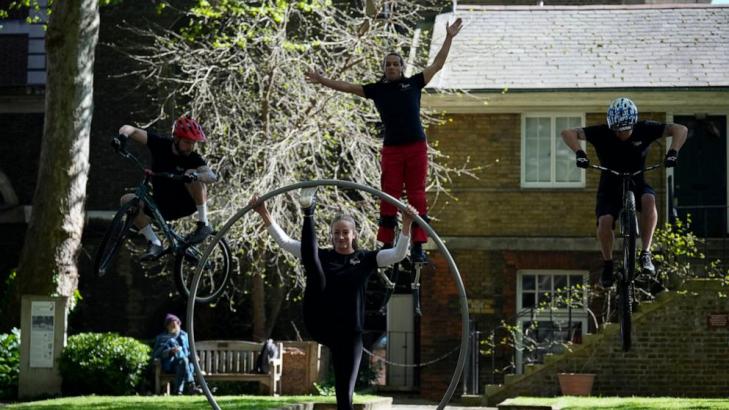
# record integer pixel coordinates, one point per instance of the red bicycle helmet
(188, 129)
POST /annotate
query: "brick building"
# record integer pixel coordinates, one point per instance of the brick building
(526, 226)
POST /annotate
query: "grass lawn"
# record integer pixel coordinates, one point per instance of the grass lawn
(568, 402)
(172, 402)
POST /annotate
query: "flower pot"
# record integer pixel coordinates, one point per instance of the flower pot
(576, 384)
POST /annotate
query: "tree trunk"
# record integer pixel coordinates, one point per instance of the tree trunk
(53, 239)
(258, 305)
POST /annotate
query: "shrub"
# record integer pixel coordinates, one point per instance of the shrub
(9, 364)
(103, 363)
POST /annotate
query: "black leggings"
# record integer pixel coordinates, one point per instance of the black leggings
(345, 349)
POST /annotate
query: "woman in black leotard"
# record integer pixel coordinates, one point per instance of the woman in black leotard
(336, 281)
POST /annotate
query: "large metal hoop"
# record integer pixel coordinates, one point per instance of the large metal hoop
(463, 302)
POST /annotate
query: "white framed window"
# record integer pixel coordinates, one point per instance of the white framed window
(546, 162)
(544, 321)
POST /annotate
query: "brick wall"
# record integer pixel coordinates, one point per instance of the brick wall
(495, 204)
(674, 352)
(490, 281)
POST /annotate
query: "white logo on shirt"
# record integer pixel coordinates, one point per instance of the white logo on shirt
(354, 261)
(637, 143)
(404, 86)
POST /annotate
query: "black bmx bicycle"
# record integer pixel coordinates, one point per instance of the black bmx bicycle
(216, 271)
(628, 232)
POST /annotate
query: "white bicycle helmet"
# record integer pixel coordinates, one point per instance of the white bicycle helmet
(622, 114)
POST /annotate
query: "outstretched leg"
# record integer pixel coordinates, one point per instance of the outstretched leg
(315, 279)
(314, 317)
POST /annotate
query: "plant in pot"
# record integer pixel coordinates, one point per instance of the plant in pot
(577, 297)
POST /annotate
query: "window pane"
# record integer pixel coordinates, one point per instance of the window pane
(565, 168)
(575, 280)
(545, 283)
(537, 150)
(527, 282)
(528, 300)
(560, 282)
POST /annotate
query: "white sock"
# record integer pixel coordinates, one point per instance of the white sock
(202, 213)
(150, 235)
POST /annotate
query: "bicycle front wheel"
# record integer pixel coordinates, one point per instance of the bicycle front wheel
(625, 311)
(215, 273)
(114, 237)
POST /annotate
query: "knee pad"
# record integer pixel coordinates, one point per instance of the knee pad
(387, 221)
(425, 218)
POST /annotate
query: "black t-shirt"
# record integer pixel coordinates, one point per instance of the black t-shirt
(344, 295)
(164, 160)
(623, 156)
(398, 103)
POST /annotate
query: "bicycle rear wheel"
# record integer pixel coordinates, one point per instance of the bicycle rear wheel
(114, 237)
(215, 274)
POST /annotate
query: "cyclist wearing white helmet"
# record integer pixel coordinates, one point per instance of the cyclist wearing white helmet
(622, 145)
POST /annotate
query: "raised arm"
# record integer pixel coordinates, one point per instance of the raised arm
(572, 137)
(387, 257)
(288, 244)
(204, 174)
(440, 58)
(316, 76)
(137, 134)
(679, 134)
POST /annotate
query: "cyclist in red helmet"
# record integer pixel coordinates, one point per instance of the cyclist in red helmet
(175, 199)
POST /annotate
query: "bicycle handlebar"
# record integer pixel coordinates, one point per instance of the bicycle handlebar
(148, 172)
(625, 174)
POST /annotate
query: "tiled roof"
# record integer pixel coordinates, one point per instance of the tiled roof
(586, 47)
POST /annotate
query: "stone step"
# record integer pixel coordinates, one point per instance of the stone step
(471, 400)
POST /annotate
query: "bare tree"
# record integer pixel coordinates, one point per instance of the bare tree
(240, 67)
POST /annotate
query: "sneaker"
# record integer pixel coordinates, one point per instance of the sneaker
(646, 264)
(192, 389)
(201, 232)
(307, 197)
(416, 253)
(153, 252)
(607, 278)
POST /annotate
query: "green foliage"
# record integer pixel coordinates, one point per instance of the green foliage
(103, 363)
(9, 364)
(675, 249)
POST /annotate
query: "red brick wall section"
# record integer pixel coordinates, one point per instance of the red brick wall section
(440, 328)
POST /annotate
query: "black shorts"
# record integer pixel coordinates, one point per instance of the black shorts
(173, 200)
(609, 201)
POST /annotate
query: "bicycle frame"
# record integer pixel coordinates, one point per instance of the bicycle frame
(629, 207)
(142, 192)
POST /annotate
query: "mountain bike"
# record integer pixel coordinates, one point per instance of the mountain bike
(628, 232)
(216, 271)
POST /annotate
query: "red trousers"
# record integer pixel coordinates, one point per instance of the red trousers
(403, 166)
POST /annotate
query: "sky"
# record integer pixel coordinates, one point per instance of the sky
(719, 1)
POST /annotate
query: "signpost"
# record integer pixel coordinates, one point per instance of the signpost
(42, 338)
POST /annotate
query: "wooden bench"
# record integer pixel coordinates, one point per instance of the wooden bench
(229, 360)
